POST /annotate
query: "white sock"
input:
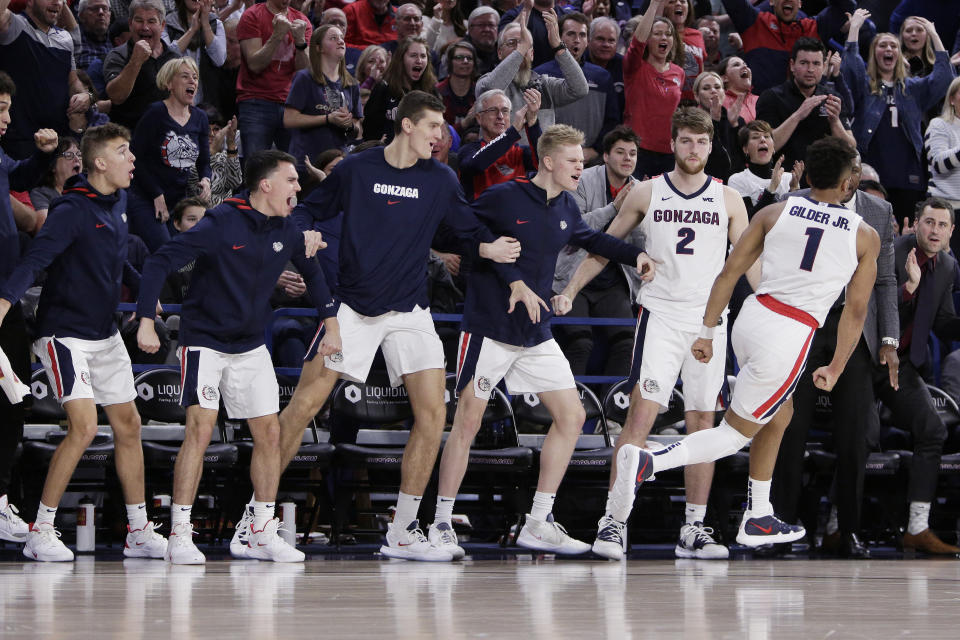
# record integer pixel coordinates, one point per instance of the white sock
(703, 446)
(542, 505)
(695, 513)
(137, 515)
(45, 515)
(444, 510)
(262, 513)
(179, 514)
(758, 498)
(407, 508)
(919, 517)
(833, 525)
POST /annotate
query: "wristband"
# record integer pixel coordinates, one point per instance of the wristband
(300, 47)
(706, 332)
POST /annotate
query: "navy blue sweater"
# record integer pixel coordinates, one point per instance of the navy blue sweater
(390, 218)
(240, 253)
(167, 150)
(19, 175)
(83, 247)
(520, 209)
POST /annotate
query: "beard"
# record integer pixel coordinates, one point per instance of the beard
(683, 167)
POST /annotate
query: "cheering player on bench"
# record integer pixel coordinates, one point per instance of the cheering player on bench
(83, 247)
(500, 343)
(686, 217)
(241, 247)
(393, 199)
(810, 249)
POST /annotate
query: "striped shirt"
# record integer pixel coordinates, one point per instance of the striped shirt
(941, 145)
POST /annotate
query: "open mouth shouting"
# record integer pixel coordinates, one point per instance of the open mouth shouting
(416, 71)
(788, 10)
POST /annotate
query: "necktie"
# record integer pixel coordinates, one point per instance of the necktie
(923, 317)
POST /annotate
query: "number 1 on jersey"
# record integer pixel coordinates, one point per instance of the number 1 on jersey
(814, 236)
(686, 235)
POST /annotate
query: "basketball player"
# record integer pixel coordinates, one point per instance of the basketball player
(83, 247)
(811, 248)
(393, 199)
(240, 247)
(687, 218)
(498, 343)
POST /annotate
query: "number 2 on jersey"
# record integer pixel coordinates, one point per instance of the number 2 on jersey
(814, 236)
(686, 235)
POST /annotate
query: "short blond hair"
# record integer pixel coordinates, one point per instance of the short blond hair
(170, 69)
(556, 136)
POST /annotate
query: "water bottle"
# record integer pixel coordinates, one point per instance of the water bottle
(86, 526)
(288, 528)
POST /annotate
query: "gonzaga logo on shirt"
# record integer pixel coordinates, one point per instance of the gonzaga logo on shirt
(396, 190)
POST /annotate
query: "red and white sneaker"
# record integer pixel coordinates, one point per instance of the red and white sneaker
(180, 546)
(44, 545)
(145, 543)
(265, 544)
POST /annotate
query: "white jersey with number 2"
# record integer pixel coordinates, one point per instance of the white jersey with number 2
(809, 255)
(687, 236)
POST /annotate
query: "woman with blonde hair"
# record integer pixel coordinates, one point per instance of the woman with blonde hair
(323, 106)
(888, 109)
(409, 70)
(708, 89)
(942, 147)
(917, 47)
(370, 66)
(171, 143)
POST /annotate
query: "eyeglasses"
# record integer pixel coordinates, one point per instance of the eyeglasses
(411, 19)
(463, 58)
(98, 9)
(71, 155)
(484, 25)
(503, 112)
(511, 44)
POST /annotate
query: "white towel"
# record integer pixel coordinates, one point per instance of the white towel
(10, 383)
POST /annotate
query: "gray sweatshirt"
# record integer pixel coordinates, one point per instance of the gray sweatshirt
(555, 92)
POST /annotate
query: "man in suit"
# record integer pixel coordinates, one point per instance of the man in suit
(925, 277)
(854, 409)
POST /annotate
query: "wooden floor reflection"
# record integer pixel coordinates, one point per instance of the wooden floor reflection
(523, 598)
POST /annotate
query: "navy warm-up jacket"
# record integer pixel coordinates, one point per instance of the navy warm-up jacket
(83, 247)
(520, 209)
(240, 253)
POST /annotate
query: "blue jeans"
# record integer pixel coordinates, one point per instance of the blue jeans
(261, 126)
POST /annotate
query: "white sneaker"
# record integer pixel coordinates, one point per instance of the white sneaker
(12, 526)
(443, 537)
(145, 543)
(180, 547)
(411, 544)
(547, 535)
(43, 544)
(696, 541)
(267, 545)
(611, 542)
(238, 544)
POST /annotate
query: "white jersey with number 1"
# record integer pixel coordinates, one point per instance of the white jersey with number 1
(687, 236)
(809, 255)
